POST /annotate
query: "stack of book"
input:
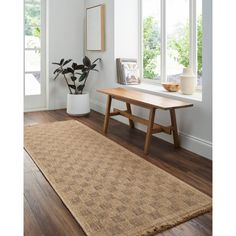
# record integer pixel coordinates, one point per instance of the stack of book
(127, 71)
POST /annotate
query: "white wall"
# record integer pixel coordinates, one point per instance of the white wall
(105, 78)
(126, 28)
(65, 36)
(195, 124)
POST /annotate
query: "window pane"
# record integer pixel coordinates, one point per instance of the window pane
(32, 42)
(151, 39)
(32, 60)
(32, 47)
(199, 42)
(177, 30)
(32, 84)
(32, 17)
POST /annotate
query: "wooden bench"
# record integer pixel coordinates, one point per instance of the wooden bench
(148, 101)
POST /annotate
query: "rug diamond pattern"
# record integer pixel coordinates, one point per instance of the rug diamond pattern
(108, 189)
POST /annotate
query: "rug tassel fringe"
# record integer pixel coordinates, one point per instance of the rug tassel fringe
(154, 230)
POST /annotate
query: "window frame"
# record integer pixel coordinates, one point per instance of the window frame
(193, 40)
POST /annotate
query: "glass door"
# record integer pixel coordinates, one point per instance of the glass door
(34, 55)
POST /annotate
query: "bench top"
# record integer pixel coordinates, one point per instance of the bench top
(144, 99)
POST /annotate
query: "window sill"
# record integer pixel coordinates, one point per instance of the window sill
(157, 89)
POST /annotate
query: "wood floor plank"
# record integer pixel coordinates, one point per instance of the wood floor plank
(58, 207)
(45, 213)
(47, 221)
(29, 165)
(31, 226)
(51, 215)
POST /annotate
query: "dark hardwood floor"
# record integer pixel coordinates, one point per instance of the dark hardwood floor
(44, 212)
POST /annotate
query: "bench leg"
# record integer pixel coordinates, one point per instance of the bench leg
(149, 131)
(131, 123)
(174, 127)
(107, 115)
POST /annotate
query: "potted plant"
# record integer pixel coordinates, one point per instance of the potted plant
(75, 77)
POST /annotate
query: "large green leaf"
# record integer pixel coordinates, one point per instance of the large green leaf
(62, 60)
(79, 67)
(85, 69)
(72, 86)
(67, 61)
(83, 77)
(80, 87)
(58, 70)
(74, 65)
(73, 78)
(86, 61)
(93, 66)
(68, 70)
(65, 71)
(56, 63)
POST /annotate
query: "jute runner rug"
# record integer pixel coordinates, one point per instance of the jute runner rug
(108, 189)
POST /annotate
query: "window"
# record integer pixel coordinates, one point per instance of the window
(32, 47)
(171, 39)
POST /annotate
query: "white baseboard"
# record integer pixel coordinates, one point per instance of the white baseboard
(197, 145)
(194, 144)
(36, 109)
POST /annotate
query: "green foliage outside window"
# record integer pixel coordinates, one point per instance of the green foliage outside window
(181, 45)
(151, 46)
(199, 45)
(32, 18)
(151, 43)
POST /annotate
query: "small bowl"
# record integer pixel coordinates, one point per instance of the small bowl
(171, 87)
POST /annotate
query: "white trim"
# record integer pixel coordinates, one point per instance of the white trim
(36, 109)
(197, 145)
(194, 144)
(140, 38)
(191, 45)
(163, 41)
(151, 81)
(193, 35)
(31, 72)
(32, 49)
(47, 70)
(43, 49)
(158, 89)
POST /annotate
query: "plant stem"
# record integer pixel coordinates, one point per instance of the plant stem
(76, 92)
(84, 83)
(75, 88)
(66, 81)
(67, 84)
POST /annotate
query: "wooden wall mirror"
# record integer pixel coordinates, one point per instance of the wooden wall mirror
(95, 28)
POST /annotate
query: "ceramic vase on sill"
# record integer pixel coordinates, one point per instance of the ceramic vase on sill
(188, 81)
(78, 104)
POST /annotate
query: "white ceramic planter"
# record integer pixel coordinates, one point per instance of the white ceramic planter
(187, 82)
(78, 104)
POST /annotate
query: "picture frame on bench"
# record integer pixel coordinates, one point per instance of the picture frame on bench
(127, 71)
